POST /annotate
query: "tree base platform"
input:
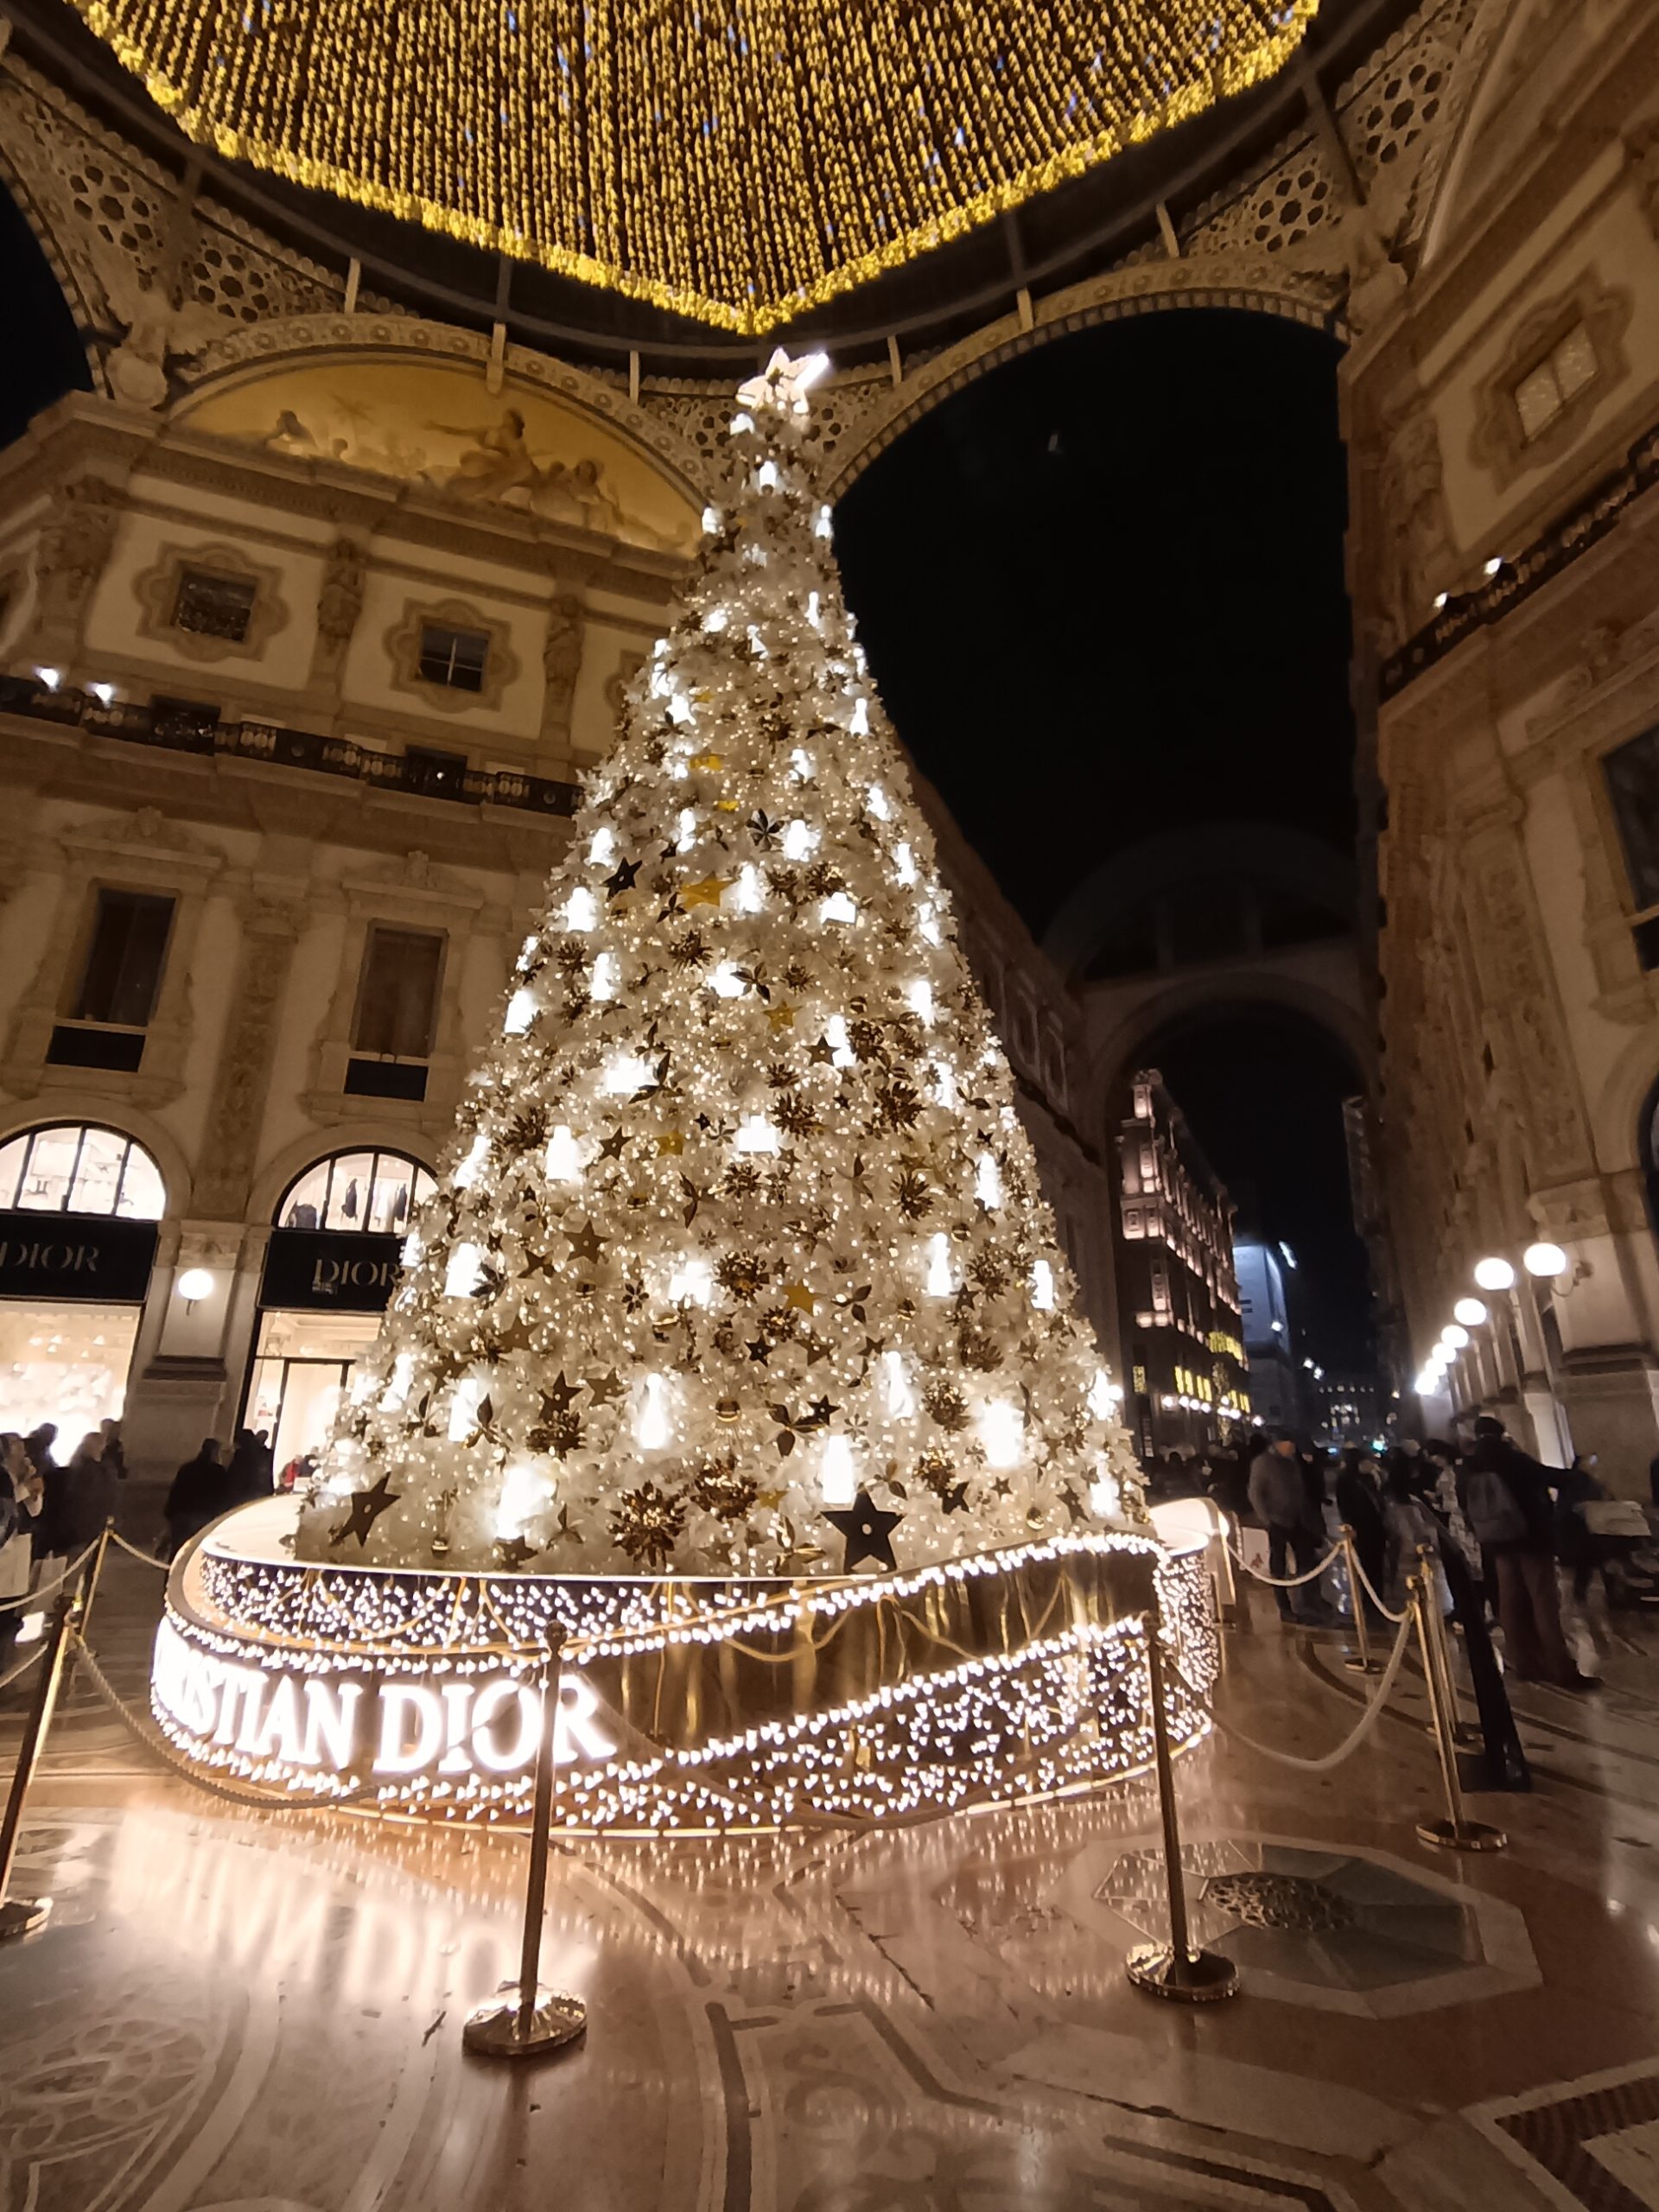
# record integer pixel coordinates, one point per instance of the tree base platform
(690, 1706)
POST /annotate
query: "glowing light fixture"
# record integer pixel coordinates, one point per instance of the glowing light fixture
(1545, 1260)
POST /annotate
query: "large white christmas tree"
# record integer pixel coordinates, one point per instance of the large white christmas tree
(739, 1264)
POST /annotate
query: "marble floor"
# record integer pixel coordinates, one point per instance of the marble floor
(236, 2012)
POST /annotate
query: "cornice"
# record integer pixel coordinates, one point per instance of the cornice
(1476, 253)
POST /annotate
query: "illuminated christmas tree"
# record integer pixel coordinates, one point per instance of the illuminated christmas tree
(739, 1264)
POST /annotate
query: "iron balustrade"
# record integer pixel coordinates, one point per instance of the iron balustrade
(179, 731)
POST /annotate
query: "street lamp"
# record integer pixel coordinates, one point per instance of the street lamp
(1544, 1263)
(1455, 1335)
(1471, 1312)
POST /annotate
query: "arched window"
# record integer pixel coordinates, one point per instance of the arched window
(77, 1167)
(375, 1192)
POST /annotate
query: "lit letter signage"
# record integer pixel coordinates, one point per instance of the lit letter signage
(396, 1728)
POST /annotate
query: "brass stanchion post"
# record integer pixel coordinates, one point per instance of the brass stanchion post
(1359, 1662)
(1174, 1969)
(1455, 1832)
(19, 1915)
(1462, 1734)
(89, 1587)
(531, 2019)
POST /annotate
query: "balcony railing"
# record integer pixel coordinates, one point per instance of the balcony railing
(1510, 582)
(180, 731)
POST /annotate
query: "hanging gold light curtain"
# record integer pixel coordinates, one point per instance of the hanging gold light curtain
(733, 160)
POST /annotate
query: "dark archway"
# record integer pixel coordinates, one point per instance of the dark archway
(54, 360)
(1102, 590)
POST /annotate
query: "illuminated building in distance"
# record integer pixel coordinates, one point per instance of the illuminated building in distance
(1177, 1291)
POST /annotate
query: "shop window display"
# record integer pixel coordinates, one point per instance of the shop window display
(374, 1191)
(66, 1363)
(301, 1367)
(73, 1168)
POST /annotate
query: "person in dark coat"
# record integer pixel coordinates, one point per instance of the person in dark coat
(88, 1483)
(1508, 1500)
(200, 1493)
(1280, 1500)
(248, 1476)
(1359, 1507)
(38, 1445)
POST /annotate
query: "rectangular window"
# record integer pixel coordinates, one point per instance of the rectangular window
(1631, 771)
(1543, 393)
(455, 658)
(398, 992)
(122, 971)
(213, 606)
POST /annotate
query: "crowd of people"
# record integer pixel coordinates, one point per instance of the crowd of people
(51, 1510)
(1498, 1522)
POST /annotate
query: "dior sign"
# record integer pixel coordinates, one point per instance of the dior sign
(343, 1271)
(398, 1729)
(68, 1255)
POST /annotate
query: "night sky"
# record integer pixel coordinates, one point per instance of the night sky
(1102, 590)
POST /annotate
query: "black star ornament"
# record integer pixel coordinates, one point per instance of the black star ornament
(367, 1507)
(868, 1531)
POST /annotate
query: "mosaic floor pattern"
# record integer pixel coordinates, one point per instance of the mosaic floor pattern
(231, 2011)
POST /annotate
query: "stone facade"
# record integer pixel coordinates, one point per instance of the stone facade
(1505, 565)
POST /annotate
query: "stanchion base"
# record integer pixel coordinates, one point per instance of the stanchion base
(1461, 1835)
(1356, 1665)
(21, 1915)
(501, 2031)
(1199, 1978)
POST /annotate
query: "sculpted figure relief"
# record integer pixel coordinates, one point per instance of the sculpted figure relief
(1417, 557)
(338, 604)
(156, 327)
(73, 547)
(561, 662)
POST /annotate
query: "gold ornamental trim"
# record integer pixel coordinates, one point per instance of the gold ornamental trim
(736, 161)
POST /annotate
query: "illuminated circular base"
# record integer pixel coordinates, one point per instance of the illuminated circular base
(684, 1706)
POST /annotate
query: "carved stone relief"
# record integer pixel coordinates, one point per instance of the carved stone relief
(616, 683)
(157, 589)
(1417, 556)
(403, 641)
(271, 929)
(340, 602)
(70, 557)
(1500, 438)
(1523, 1014)
(561, 663)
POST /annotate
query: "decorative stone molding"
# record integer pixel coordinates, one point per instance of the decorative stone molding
(272, 921)
(288, 337)
(1417, 557)
(1523, 1016)
(340, 602)
(143, 851)
(70, 557)
(157, 592)
(1499, 440)
(409, 894)
(1268, 283)
(628, 665)
(403, 641)
(561, 663)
